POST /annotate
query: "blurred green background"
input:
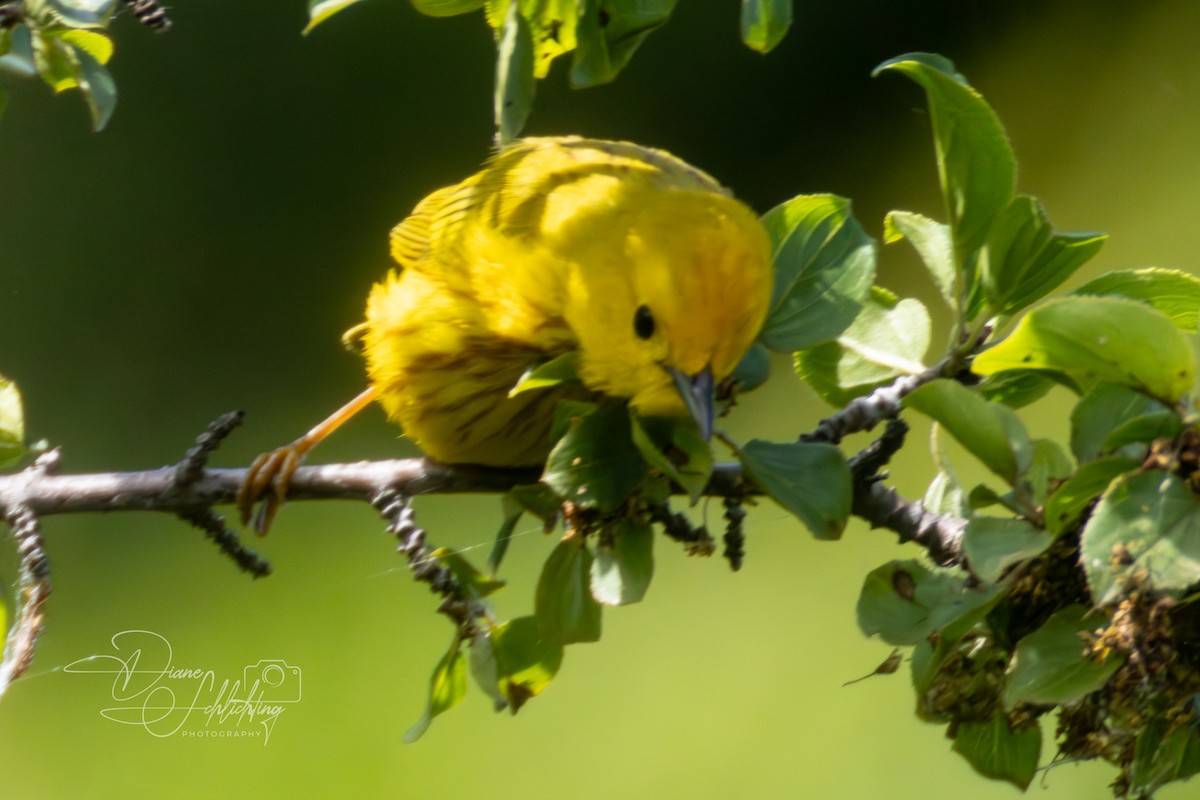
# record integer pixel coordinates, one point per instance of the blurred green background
(207, 250)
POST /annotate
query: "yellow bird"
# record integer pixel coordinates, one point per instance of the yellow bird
(644, 266)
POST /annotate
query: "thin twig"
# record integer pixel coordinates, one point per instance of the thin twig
(191, 468)
(864, 413)
(882, 507)
(463, 609)
(735, 534)
(33, 587)
(695, 539)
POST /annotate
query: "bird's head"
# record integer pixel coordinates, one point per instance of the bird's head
(667, 297)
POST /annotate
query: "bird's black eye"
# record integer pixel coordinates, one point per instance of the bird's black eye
(643, 323)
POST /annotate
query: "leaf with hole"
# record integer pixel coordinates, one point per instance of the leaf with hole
(596, 464)
(1145, 529)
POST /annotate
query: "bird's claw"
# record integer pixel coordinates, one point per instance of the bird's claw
(267, 480)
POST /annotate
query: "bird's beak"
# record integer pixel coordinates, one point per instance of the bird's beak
(697, 392)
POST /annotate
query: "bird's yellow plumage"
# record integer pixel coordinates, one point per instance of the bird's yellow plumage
(640, 263)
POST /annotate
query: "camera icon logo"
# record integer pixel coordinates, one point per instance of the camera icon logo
(276, 680)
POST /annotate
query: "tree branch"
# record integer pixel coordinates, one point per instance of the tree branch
(190, 490)
(864, 413)
(158, 490)
(44, 493)
(883, 507)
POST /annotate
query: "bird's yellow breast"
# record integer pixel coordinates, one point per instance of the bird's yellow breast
(553, 247)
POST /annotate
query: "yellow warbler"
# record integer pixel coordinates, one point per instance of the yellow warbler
(642, 265)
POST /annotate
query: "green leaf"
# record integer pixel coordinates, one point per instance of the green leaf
(945, 495)
(596, 464)
(812, 481)
(989, 431)
(905, 601)
(18, 59)
(552, 25)
(608, 32)
(1161, 757)
(525, 661)
(933, 243)
(98, 90)
(1049, 467)
(1103, 410)
(321, 10)
(1146, 523)
(993, 544)
(1024, 259)
(996, 751)
(824, 266)
(99, 46)
(753, 370)
(446, 689)
(1051, 665)
(563, 604)
(512, 511)
(12, 425)
(1066, 505)
(567, 414)
(81, 13)
(764, 23)
(885, 340)
(513, 97)
(976, 165)
(1174, 293)
(1093, 339)
(982, 496)
(485, 669)
(447, 8)
(1016, 388)
(624, 563)
(539, 500)
(674, 446)
(543, 375)
(55, 61)
(476, 584)
(1141, 431)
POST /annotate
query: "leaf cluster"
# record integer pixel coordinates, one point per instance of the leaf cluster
(65, 42)
(1080, 559)
(601, 37)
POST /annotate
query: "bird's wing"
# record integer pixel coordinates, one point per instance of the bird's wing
(508, 198)
(429, 237)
